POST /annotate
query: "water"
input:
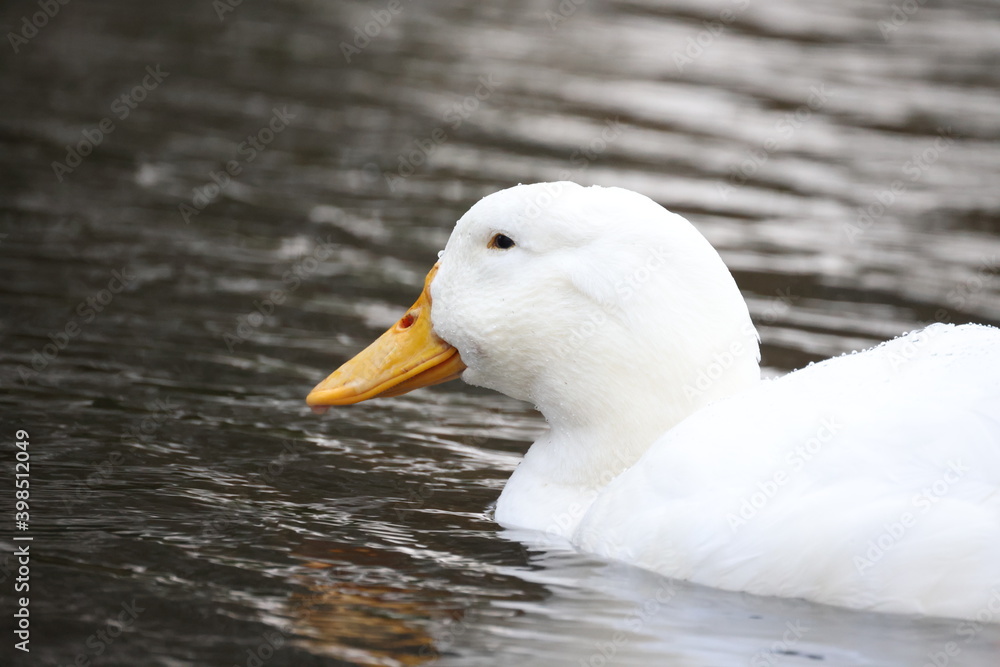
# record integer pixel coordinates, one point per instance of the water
(175, 469)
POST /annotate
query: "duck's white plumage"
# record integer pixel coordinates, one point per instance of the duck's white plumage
(870, 480)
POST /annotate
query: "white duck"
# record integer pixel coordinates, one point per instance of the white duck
(869, 481)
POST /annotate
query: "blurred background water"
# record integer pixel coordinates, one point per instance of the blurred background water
(208, 205)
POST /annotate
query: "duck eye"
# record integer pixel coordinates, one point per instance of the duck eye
(501, 241)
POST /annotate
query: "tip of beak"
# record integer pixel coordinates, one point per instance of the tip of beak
(320, 398)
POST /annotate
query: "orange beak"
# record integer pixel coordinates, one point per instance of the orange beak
(407, 356)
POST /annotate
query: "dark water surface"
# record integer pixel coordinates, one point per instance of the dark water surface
(187, 509)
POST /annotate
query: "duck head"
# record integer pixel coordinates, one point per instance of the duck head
(595, 304)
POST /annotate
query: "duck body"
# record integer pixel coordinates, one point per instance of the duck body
(870, 481)
(867, 481)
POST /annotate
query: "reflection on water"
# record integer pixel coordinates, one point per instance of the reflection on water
(274, 200)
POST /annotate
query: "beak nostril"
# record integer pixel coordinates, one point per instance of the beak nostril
(407, 321)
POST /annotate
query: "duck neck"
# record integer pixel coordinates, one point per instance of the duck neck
(606, 426)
